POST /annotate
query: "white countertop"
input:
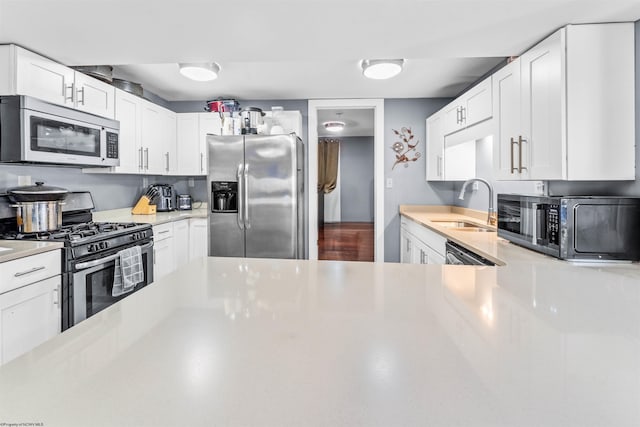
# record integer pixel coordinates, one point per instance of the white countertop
(245, 342)
(15, 249)
(125, 215)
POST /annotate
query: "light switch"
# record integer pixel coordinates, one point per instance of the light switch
(389, 183)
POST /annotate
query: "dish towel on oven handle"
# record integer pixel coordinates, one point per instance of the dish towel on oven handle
(128, 271)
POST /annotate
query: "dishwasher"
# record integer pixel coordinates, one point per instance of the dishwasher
(457, 255)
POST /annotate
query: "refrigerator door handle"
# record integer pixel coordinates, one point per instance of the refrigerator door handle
(245, 194)
(240, 195)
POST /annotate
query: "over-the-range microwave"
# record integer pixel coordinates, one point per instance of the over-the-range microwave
(34, 131)
(589, 228)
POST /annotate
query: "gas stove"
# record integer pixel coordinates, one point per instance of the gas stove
(90, 254)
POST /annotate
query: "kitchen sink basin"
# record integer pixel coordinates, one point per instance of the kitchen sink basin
(463, 226)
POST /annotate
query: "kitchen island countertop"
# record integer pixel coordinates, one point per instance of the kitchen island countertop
(248, 342)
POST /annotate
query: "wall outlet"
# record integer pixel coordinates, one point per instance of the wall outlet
(24, 180)
(145, 182)
(540, 187)
(389, 182)
(191, 183)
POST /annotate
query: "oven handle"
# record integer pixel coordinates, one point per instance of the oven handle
(89, 264)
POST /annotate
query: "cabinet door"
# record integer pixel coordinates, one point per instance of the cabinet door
(506, 118)
(153, 153)
(406, 246)
(435, 147)
(198, 238)
(94, 96)
(543, 115)
(128, 111)
(478, 103)
(188, 141)
(163, 258)
(29, 316)
(418, 254)
(210, 123)
(453, 117)
(181, 242)
(44, 79)
(169, 142)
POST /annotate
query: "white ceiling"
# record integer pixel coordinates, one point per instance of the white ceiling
(295, 49)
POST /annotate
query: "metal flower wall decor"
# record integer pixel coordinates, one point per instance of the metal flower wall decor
(406, 148)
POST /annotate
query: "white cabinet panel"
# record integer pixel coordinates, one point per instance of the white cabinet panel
(198, 238)
(209, 124)
(435, 147)
(128, 111)
(188, 134)
(478, 103)
(23, 271)
(42, 78)
(181, 242)
(419, 245)
(506, 94)
(29, 316)
(94, 96)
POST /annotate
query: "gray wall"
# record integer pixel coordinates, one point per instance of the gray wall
(409, 184)
(356, 179)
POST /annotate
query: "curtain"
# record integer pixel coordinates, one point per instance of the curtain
(328, 154)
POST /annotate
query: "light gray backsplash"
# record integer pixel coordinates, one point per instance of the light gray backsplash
(409, 184)
(356, 179)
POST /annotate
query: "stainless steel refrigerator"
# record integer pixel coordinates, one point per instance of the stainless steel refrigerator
(256, 187)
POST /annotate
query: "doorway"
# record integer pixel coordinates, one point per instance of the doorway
(348, 231)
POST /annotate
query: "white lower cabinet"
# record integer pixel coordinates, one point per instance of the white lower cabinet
(198, 238)
(419, 245)
(30, 304)
(164, 259)
(177, 243)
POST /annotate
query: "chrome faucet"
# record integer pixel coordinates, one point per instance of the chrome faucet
(491, 215)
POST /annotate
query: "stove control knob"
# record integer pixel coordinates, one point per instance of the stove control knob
(92, 248)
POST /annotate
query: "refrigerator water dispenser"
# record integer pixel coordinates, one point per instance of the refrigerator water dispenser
(224, 196)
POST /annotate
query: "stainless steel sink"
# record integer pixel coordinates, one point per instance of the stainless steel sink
(463, 226)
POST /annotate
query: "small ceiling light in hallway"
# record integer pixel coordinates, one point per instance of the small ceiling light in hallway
(380, 69)
(333, 126)
(201, 72)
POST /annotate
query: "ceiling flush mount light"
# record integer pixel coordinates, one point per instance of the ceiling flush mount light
(333, 126)
(201, 72)
(381, 69)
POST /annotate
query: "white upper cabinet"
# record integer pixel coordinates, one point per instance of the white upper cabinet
(210, 124)
(435, 147)
(188, 133)
(129, 113)
(94, 96)
(474, 106)
(27, 73)
(565, 109)
(170, 142)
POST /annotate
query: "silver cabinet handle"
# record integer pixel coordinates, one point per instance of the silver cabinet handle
(56, 296)
(78, 92)
(513, 168)
(240, 196)
(146, 158)
(520, 141)
(245, 190)
(140, 158)
(31, 270)
(439, 165)
(166, 155)
(70, 89)
(164, 231)
(201, 162)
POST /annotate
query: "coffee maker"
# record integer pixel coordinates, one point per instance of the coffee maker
(165, 197)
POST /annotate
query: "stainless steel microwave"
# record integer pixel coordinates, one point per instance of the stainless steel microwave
(34, 131)
(573, 227)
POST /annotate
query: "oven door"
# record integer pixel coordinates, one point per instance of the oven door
(93, 283)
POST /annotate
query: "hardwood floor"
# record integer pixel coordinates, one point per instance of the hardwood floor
(346, 241)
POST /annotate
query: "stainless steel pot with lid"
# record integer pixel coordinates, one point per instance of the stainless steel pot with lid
(38, 207)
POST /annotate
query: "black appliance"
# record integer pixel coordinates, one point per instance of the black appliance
(573, 227)
(89, 254)
(224, 196)
(459, 255)
(165, 198)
